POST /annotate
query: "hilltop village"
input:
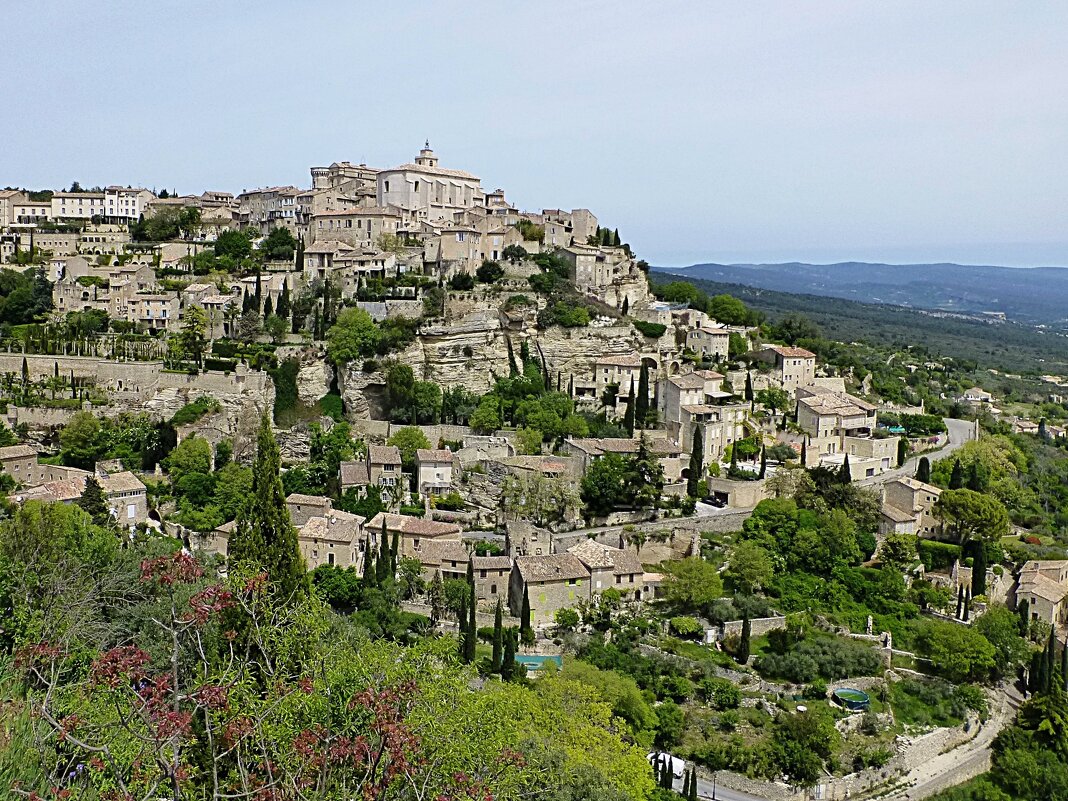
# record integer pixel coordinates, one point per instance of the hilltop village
(491, 421)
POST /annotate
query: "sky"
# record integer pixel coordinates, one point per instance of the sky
(704, 131)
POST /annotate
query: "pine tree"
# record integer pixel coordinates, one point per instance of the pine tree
(268, 307)
(844, 474)
(743, 641)
(956, 477)
(524, 614)
(628, 416)
(498, 639)
(93, 502)
(979, 570)
(283, 310)
(264, 534)
(763, 460)
(697, 462)
(923, 470)
(641, 410)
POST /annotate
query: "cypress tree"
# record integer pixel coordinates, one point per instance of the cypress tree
(697, 462)
(1034, 672)
(472, 625)
(394, 554)
(960, 602)
(626, 305)
(25, 372)
(382, 566)
(246, 303)
(923, 470)
(616, 241)
(268, 307)
(641, 411)
(55, 366)
(967, 604)
(628, 416)
(264, 534)
(524, 615)
(513, 368)
(259, 290)
(749, 396)
(571, 386)
(498, 639)
(956, 477)
(508, 661)
(370, 571)
(461, 622)
(1042, 435)
(1050, 670)
(763, 460)
(734, 457)
(1064, 667)
(743, 642)
(1024, 611)
(844, 475)
(804, 452)
(979, 570)
(283, 309)
(693, 785)
(902, 450)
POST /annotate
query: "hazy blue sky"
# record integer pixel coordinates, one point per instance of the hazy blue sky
(705, 131)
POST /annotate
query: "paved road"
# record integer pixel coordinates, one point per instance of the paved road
(960, 431)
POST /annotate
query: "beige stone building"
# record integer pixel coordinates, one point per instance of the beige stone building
(1044, 586)
(78, 205)
(908, 507)
(380, 468)
(791, 367)
(20, 462)
(697, 399)
(358, 226)
(428, 191)
(491, 577)
(552, 582)
(414, 533)
(433, 471)
(711, 341)
(125, 204)
(326, 536)
(667, 452)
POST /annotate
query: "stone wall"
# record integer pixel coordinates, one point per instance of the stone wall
(758, 626)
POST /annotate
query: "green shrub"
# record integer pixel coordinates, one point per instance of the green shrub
(937, 555)
(651, 330)
(192, 412)
(686, 627)
(332, 406)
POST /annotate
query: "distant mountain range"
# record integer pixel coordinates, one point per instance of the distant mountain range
(1035, 296)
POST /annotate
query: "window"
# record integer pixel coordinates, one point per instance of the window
(493, 589)
(330, 559)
